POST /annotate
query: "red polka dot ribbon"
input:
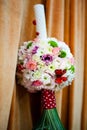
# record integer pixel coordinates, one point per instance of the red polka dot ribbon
(48, 99)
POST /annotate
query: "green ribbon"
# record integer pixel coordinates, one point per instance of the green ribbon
(49, 121)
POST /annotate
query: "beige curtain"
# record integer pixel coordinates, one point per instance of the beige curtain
(66, 20)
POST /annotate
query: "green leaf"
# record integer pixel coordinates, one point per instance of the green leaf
(62, 54)
(72, 68)
(53, 43)
(29, 44)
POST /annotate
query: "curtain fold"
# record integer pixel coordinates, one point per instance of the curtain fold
(84, 109)
(77, 40)
(67, 21)
(10, 26)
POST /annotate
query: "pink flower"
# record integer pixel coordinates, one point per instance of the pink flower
(72, 60)
(55, 50)
(36, 40)
(31, 65)
(37, 83)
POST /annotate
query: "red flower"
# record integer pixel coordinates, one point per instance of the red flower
(37, 83)
(59, 76)
(64, 78)
(20, 67)
(60, 72)
(58, 80)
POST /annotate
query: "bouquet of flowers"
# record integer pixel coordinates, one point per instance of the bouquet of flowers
(45, 64)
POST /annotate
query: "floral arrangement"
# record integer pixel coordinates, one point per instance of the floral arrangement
(45, 64)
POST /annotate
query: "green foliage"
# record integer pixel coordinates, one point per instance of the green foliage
(62, 54)
(53, 43)
(29, 44)
(72, 68)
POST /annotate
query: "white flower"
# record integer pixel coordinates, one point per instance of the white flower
(51, 68)
(37, 75)
(26, 74)
(45, 78)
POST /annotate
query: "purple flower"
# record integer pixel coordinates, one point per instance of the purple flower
(35, 49)
(47, 58)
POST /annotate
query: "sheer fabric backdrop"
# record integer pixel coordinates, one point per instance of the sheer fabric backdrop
(67, 21)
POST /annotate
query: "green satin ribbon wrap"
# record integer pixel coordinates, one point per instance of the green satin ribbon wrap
(49, 121)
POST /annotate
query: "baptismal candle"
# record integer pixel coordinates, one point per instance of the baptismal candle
(40, 21)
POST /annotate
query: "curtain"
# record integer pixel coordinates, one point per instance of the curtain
(66, 20)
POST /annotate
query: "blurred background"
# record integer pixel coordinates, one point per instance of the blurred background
(67, 21)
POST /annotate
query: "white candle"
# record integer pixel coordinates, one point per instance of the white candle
(40, 21)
